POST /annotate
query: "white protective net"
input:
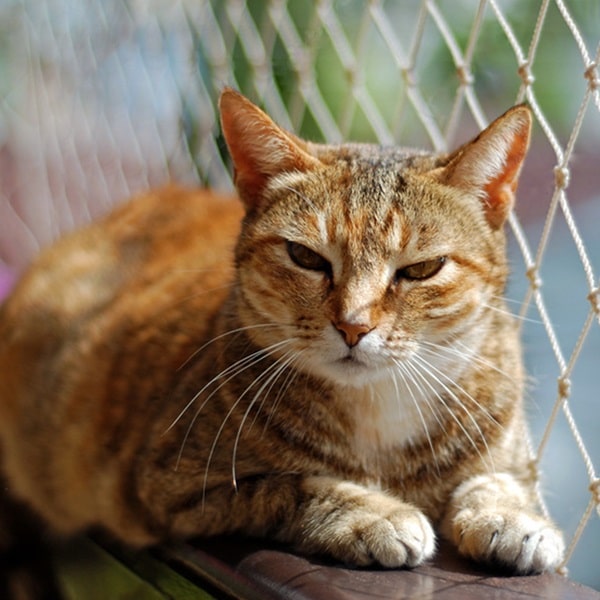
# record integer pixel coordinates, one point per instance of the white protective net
(102, 98)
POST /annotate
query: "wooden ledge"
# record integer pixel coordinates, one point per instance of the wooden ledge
(241, 569)
(233, 568)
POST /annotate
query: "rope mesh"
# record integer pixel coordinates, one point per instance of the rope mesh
(99, 100)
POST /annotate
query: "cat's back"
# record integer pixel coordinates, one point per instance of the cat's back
(157, 232)
(110, 310)
(150, 242)
(156, 245)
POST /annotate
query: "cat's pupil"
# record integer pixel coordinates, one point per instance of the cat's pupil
(421, 270)
(308, 259)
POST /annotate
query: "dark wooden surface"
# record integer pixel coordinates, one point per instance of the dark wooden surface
(241, 569)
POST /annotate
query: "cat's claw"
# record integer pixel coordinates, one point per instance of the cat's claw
(522, 542)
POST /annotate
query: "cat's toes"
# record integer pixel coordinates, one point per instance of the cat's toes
(361, 527)
(520, 541)
(384, 533)
(542, 551)
(402, 538)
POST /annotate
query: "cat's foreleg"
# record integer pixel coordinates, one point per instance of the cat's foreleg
(326, 516)
(490, 519)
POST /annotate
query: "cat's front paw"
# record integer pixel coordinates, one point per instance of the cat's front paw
(361, 528)
(401, 538)
(519, 541)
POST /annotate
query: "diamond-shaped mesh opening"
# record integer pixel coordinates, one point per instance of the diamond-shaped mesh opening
(102, 99)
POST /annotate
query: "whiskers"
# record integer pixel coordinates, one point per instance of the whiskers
(429, 387)
(519, 318)
(417, 398)
(430, 378)
(221, 336)
(517, 303)
(269, 378)
(267, 367)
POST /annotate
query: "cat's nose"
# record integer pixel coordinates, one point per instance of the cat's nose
(351, 332)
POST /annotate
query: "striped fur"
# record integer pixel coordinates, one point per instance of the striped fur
(339, 373)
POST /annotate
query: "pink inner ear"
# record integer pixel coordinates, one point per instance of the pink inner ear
(500, 191)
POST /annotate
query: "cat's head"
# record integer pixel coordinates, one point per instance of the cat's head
(355, 260)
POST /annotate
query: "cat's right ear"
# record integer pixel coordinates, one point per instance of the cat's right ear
(489, 165)
(260, 149)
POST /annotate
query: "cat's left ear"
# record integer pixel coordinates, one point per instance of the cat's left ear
(489, 165)
(260, 149)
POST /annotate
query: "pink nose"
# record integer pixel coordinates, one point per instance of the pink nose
(352, 332)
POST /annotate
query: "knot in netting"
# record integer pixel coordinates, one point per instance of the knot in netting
(564, 387)
(595, 489)
(534, 278)
(464, 75)
(591, 74)
(525, 74)
(409, 77)
(562, 176)
(594, 298)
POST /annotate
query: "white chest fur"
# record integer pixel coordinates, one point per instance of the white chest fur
(390, 414)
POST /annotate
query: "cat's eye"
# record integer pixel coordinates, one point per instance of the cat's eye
(308, 259)
(421, 270)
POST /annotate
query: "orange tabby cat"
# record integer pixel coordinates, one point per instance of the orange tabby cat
(339, 373)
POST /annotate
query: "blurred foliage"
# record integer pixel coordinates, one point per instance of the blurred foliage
(557, 66)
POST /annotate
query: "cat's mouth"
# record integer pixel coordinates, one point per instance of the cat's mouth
(354, 371)
(350, 360)
(354, 368)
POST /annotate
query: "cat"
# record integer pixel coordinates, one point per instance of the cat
(328, 363)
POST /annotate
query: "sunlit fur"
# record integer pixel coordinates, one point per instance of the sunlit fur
(168, 372)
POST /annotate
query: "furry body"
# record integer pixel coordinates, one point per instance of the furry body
(340, 373)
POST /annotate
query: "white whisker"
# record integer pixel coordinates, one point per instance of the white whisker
(221, 336)
(232, 410)
(429, 370)
(223, 373)
(452, 382)
(407, 379)
(511, 314)
(230, 373)
(466, 355)
(509, 300)
(277, 368)
(289, 379)
(293, 357)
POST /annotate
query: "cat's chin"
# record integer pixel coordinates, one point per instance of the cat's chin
(349, 372)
